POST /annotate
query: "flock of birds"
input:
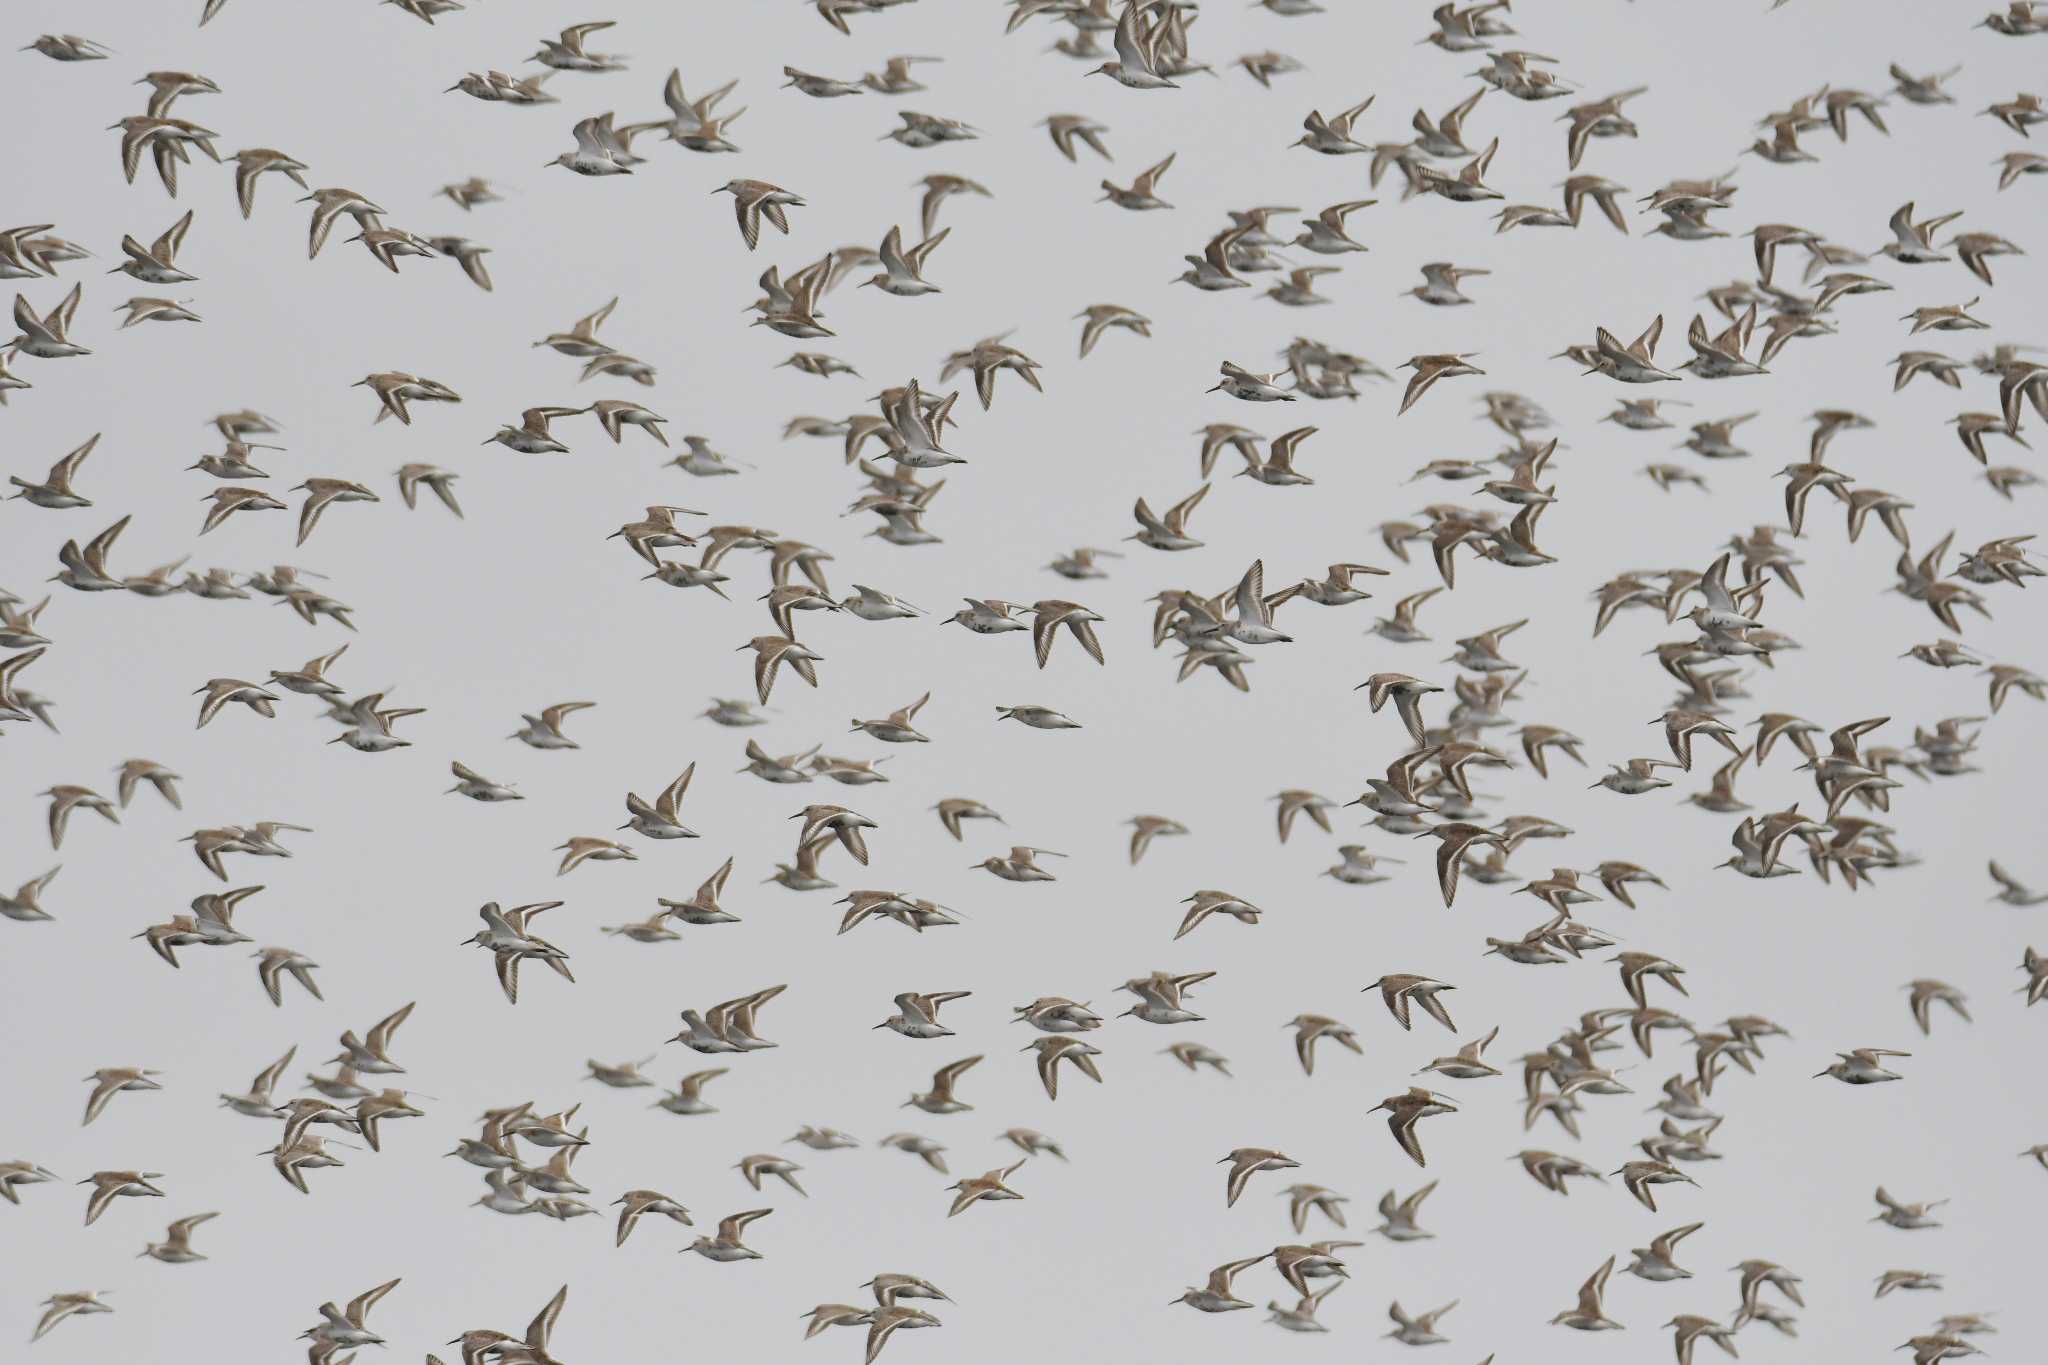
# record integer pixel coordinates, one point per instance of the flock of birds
(1439, 729)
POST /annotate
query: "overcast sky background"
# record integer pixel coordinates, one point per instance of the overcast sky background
(525, 603)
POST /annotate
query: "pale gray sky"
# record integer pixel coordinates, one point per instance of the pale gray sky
(524, 603)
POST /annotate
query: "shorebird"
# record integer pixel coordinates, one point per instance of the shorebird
(1142, 194)
(1168, 532)
(2013, 165)
(726, 1246)
(1655, 1262)
(1634, 363)
(1245, 1162)
(1301, 1199)
(1617, 876)
(931, 1152)
(894, 77)
(1160, 997)
(1948, 317)
(1641, 1176)
(273, 963)
(917, 1016)
(1081, 564)
(48, 336)
(1428, 370)
(1467, 1063)
(69, 47)
(58, 1307)
(64, 799)
(441, 481)
(1925, 993)
(1923, 89)
(989, 1185)
(1057, 1014)
(156, 263)
(567, 53)
(1249, 387)
(903, 271)
(659, 821)
(371, 1055)
(1445, 137)
(1591, 1314)
(1404, 1111)
(939, 1099)
(1301, 1317)
(599, 149)
(330, 204)
(580, 341)
(1203, 904)
(55, 491)
(954, 809)
(2013, 891)
(531, 436)
(1308, 1028)
(1405, 692)
(938, 189)
(111, 1185)
(257, 161)
(1317, 1260)
(320, 494)
(1021, 865)
(752, 1168)
(1401, 627)
(1100, 317)
(1403, 989)
(1146, 828)
(639, 1202)
(836, 822)
(312, 678)
(1047, 618)
(1398, 1216)
(1332, 136)
(1907, 1216)
(24, 905)
(1468, 186)
(1906, 1279)
(544, 731)
(1440, 283)
(754, 200)
(110, 1081)
(1066, 129)
(1690, 1328)
(1054, 1049)
(468, 194)
(1277, 470)
(1419, 1330)
(1216, 1295)
(1141, 43)
(686, 1098)
(1755, 1275)
(1864, 1066)
(1601, 118)
(1214, 270)
(1914, 242)
(1722, 356)
(884, 1321)
(1637, 776)
(1454, 839)
(1324, 234)
(477, 787)
(583, 848)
